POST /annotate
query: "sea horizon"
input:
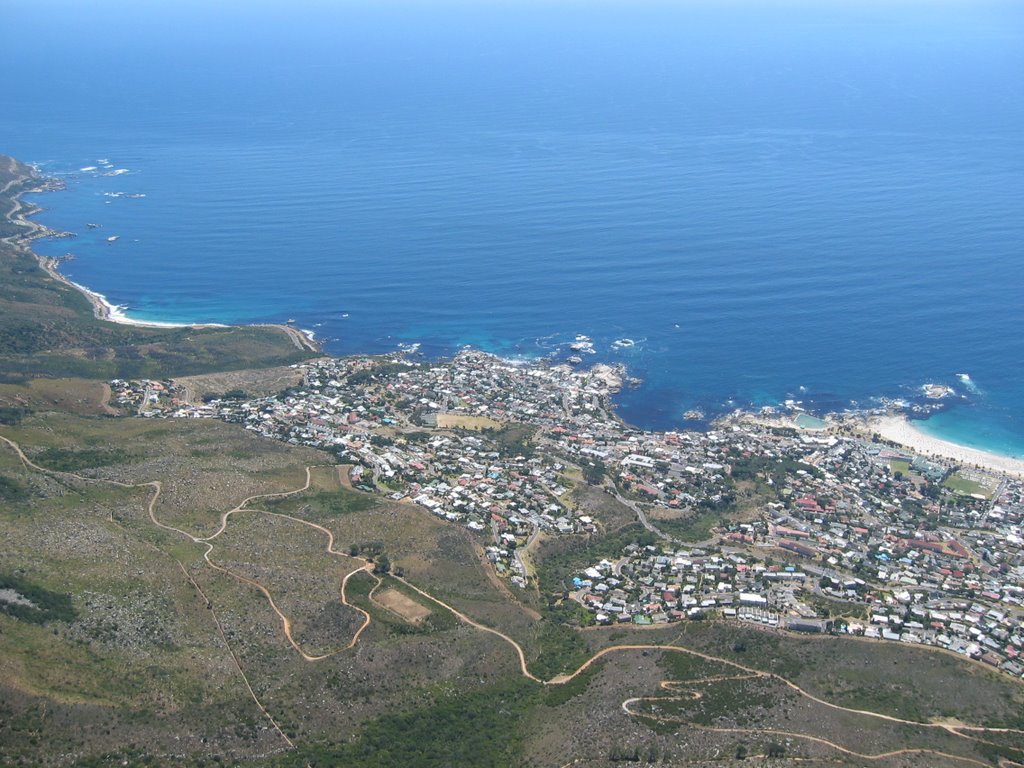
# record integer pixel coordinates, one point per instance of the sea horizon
(739, 220)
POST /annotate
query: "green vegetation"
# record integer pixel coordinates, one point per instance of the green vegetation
(557, 695)
(12, 415)
(479, 728)
(562, 650)
(12, 490)
(558, 560)
(358, 593)
(828, 608)
(735, 701)
(962, 485)
(757, 467)
(378, 373)
(685, 666)
(321, 506)
(45, 606)
(594, 472)
(513, 439)
(695, 527)
(899, 467)
(75, 459)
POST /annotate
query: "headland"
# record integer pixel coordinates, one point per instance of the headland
(26, 231)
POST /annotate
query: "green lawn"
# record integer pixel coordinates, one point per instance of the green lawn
(898, 465)
(960, 484)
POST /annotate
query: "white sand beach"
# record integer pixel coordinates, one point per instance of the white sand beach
(900, 429)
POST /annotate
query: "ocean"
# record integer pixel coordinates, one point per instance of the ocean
(743, 202)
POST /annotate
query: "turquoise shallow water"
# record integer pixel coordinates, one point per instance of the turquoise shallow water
(963, 426)
(770, 200)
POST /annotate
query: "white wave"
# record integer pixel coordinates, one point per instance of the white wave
(968, 383)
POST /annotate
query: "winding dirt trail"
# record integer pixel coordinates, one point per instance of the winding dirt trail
(963, 731)
(466, 620)
(674, 685)
(155, 485)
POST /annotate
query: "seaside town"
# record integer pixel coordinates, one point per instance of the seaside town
(776, 518)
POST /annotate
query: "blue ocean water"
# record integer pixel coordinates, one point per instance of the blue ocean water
(772, 200)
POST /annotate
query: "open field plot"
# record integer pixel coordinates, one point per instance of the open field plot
(403, 606)
(686, 525)
(365, 590)
(899, 465)
(259, 382)
(79, 396)
(609, 511)
(325, 478)
(963, 483)
(463, 421)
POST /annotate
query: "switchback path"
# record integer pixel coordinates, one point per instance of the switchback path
(156, 487)
(963, 731)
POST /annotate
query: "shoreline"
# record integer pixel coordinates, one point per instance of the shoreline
(102, 308)
(892, 427)
(901, 430)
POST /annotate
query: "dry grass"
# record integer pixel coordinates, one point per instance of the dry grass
(462, 421)
(78, 396)
(256, 383)
(403, 606)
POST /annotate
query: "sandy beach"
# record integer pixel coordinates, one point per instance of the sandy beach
(901, 430)
(103, 309)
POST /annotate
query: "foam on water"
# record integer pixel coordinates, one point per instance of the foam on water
(816, 202)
